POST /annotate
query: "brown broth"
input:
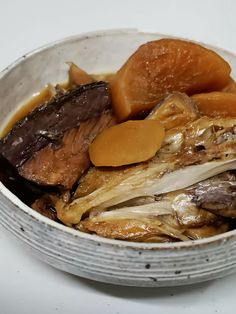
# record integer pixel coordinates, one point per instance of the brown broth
(28, 191)
(40, 98)
(37, 100)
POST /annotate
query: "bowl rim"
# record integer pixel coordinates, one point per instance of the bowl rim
(14, 200)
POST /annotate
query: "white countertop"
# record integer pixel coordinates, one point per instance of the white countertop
(28, 286)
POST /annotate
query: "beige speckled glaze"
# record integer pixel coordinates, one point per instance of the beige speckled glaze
(112, 261)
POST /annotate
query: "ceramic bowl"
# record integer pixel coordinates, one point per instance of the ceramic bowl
(85, 255)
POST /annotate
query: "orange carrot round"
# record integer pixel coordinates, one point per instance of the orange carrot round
(127, 143)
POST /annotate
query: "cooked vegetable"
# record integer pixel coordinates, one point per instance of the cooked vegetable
(77, 76)
(163, 66)
(127, 143)
(230, 87)
(216, 104)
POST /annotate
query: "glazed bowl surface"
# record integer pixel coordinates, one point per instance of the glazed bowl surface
(85, 255)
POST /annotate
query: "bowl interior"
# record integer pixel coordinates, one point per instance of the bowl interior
(100, 52)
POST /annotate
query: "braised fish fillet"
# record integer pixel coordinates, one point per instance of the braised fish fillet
(62, 166)
(50, 145)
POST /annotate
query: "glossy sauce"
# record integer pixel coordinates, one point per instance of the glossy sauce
(37, 99)
(40, 98)
(28, 191)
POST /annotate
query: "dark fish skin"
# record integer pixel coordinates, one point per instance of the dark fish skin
(63, 166)
(26, 190)
(46, 124)
(217, 194)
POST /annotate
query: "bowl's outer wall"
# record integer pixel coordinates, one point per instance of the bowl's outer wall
(108, 261)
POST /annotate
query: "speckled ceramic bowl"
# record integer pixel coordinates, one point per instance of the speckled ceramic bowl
(90, 256)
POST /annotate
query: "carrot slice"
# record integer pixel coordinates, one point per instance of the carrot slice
(127, 143)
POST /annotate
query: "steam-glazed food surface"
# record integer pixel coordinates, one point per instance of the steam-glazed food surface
(147, 154)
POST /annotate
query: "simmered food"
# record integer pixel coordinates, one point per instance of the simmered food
(214, 104)
(50, 145)
(148, 154)
(127, 143)
(78, 76)
(163, 66)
